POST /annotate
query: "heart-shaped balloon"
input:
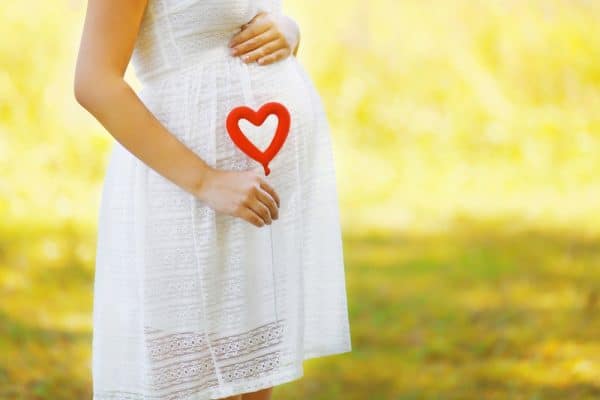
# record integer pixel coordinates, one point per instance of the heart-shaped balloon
(258, 118)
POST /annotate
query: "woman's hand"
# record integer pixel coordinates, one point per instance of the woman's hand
(243, 194)
(266, 38)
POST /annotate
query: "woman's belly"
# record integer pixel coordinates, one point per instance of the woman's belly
(194, 102)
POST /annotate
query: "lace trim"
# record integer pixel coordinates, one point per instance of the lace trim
(182, 394)
(194, 391)
(164, 347)
(255, 367)
(234, 346)
(167, 350)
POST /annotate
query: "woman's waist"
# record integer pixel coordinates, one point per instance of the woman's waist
(161, 59)
(199, 101)
(216, 70)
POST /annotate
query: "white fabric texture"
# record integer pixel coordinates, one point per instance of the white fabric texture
(194, 304)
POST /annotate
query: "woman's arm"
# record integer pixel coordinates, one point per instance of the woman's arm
(109, 34)
(105, 50)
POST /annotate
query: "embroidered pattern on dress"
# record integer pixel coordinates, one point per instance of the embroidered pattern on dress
(163, 348)
(252, 368)
(264, 336)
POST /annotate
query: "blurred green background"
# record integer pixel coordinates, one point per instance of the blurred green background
(467, 146)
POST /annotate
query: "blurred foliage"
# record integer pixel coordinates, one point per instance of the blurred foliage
(472, 247)
(490, 106)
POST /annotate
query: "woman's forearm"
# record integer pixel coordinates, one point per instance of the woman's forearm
(118, 108)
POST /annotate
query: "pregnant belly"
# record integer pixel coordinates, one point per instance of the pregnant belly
(279, 82)
(194, 103)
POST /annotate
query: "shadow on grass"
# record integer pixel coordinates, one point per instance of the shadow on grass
(484, 310)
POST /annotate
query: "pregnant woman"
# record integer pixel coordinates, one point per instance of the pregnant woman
(215, 276)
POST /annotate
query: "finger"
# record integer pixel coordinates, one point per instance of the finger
(268, 200)
(273, 57)
(262, 51)
(261, 210)
(249, 22)
(269, 189)
(254, 42)
(257, 16)
(250, 216)
(252, 29)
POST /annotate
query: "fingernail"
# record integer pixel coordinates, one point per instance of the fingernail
(245, 58)
(233, 51)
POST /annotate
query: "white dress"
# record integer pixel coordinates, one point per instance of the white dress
(194, 304)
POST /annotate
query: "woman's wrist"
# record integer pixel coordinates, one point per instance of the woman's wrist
(200, 181)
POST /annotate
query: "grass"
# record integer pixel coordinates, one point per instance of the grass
(484, 311)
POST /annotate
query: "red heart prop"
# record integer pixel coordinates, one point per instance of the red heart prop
(258, 118)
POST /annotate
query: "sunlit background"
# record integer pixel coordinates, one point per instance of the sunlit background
(467, 145)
